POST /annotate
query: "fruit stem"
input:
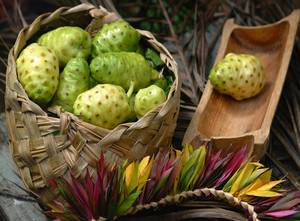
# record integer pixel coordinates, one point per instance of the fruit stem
(131, 88)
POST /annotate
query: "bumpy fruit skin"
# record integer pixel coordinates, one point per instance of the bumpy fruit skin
(115, 37)
(122, 68)
(72, 81)
(38, 72)
(238, 75)
(67, 42)
(148, 98)
(105, 105)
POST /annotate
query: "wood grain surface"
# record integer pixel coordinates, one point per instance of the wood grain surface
(220, 116)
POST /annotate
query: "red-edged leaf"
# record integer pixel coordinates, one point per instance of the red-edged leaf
(89, 187)
(175, 172)
(97, 194)
(216, 162)
(281, 213)
(155, 166)
(52, 183)
(287, 202)
(235, 163)
(81, 196)
(65, 190)
(163, 179)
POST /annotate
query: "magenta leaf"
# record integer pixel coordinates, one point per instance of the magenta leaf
(234, 164)
(280, 214)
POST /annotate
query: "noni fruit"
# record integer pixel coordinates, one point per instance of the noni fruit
(105, 105)
(123, 68)
(38, 72)
(67, 42)
(72, 81)
(238, 75)
(148, 98)
(115, 37)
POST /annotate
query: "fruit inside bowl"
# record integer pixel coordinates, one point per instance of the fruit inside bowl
(239, 75)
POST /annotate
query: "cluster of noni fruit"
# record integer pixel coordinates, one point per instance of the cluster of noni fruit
(105, 80)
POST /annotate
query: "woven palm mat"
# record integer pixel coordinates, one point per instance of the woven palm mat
(191, 30)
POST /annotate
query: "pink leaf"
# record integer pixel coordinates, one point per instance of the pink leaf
(233, 165)
(280, 214)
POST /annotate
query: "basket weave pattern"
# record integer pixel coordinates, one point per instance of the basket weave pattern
(48, 144)
(211, 193)
(205, 192)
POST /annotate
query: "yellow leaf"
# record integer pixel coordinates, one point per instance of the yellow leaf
(263, 193)
(250, 174)
(55, 209)
(270, 185)
(178, 153)
(229, 183)
(256, 184)
(257, 164)
(185, 154)
(175, 186)
(128, 174)
(266, 177)
(189, 148)
(144, 176)
(236, 186)
(134, 178)
(200, 166)
(143, 164)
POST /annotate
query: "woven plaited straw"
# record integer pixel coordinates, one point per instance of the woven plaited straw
(47, 144)
(210, 193)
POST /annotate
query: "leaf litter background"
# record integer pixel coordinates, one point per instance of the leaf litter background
(191, 30)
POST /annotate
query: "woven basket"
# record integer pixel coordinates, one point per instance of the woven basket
(246, 210)
(49, 143)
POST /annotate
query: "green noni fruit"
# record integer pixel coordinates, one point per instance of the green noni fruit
(123, 68)
(67, 42)
(105, 105)
(238, 75)
(72, 81)
(38, 72)
(148, 98)
(115, 37)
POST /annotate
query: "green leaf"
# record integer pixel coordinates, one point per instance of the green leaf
(229, 183)
(191, 160)
(112, 207)
(239, 183)
(163, 180)
(255, 175)
(154, 57)
(199, 166)
(127, 203)
(187, 179)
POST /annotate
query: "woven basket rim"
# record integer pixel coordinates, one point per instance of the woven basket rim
(218, 195)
